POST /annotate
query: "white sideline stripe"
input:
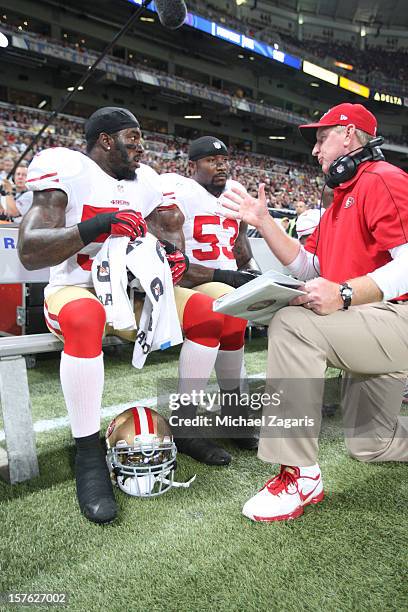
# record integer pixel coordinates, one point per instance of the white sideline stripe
(110, 411)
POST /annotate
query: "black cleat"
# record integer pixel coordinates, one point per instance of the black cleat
(94, 486)
(243, 436)
(203, 450)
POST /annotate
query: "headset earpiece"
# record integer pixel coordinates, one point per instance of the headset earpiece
(345, 167)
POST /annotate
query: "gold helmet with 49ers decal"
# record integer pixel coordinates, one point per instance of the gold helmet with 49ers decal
(141, 453)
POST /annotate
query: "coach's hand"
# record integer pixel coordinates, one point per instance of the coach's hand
(238, 204)
(322, 296)
(235, 278)
(120, 223)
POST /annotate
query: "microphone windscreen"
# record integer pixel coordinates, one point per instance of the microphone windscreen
(172, 13)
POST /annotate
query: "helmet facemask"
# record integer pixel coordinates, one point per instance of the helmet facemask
(145, 469)
(141, 453)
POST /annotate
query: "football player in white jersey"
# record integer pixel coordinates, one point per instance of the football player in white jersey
(79, 200)
(219, 254)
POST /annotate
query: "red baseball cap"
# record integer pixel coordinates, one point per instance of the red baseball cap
(342, 114)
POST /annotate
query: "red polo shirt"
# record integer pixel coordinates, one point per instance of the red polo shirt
(368, 216)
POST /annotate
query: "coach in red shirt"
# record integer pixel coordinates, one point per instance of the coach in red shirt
(351, 317)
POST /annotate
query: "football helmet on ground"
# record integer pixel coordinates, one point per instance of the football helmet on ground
(141, 453)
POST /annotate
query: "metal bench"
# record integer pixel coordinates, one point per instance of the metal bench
(19, 461)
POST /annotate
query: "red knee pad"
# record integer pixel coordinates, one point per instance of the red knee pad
(82, 324)
(233, 333)
(200, 323)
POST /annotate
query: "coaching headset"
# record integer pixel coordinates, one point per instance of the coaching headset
(344, 168)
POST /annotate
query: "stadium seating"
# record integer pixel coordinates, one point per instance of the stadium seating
(285, 181)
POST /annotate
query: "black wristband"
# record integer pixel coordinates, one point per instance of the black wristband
(90, 229)
(233, 278)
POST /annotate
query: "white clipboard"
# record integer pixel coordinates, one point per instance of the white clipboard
(258, 300)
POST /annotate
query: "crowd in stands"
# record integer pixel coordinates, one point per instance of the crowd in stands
(374, 65)
(286, 182)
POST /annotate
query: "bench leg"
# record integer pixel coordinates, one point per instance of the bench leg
(18, 424)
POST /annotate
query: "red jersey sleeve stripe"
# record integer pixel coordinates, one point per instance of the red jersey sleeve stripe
(44, 176)
(169, 207)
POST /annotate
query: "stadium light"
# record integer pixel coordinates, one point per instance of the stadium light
(147, 19)
(240, 2)
(3, 40)
(42, 104)
(192, 116)
(314, 84)
(277, 137)
(343, 65)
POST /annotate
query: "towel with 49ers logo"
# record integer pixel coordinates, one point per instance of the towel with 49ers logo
(159, 327)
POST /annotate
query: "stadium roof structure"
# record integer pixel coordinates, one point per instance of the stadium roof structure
(375, 13)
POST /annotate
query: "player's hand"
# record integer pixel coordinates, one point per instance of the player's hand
(120, 223)
(322, 296)
(235, 278)
(238, 204)
(178, 261)
(128, 223)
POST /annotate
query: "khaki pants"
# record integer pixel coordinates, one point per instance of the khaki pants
(370, 343)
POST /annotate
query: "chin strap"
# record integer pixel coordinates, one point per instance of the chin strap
(178, 485)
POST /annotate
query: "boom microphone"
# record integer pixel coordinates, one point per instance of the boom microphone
(172, 13)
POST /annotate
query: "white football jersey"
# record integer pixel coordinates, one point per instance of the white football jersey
(90, 191)
(209, 235)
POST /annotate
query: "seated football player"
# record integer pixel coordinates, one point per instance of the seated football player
(220, 259)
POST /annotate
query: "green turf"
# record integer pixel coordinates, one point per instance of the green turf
(193, 550)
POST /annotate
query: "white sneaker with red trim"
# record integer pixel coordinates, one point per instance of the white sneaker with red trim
(284, 496)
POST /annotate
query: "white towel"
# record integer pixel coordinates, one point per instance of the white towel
(159, 326)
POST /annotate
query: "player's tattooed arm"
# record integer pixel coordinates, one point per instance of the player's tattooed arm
(242, 250)
(197, 275)
(43, 238)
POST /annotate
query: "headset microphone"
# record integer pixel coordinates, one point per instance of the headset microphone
(172, 13)
(344, 168)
